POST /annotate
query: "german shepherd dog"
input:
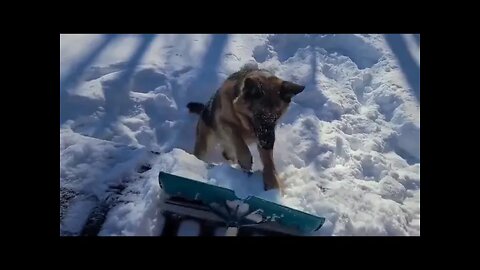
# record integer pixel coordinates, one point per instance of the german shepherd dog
(245, 110)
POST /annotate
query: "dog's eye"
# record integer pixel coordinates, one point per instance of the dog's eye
(287, 97)
(255, 93)
(253, 89)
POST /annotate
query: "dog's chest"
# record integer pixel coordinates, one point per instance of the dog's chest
(246, 129)
(248, 136)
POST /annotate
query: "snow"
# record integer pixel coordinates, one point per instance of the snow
(348, 148)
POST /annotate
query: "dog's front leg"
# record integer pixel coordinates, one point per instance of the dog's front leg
(232, 137)
(270, 178)
(266, 140)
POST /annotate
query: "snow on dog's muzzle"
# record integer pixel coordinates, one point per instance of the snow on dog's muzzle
(264, 126)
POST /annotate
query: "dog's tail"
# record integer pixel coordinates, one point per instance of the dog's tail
(195, 107)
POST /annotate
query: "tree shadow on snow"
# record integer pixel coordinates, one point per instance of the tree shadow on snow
(312, 99)
(417, 39)
(74, 75)
(409, 66)
(206, 81)
(116, 92)
(200, 89)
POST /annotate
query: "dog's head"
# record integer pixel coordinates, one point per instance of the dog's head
(263, 99)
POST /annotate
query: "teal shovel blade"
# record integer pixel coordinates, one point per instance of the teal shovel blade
(189, 189)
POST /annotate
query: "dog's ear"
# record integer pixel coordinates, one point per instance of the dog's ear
(252, 88)
(290, 89)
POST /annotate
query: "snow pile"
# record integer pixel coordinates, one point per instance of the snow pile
(183, 164)
(348, 149)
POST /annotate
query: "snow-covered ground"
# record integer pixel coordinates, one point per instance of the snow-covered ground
(348, 148)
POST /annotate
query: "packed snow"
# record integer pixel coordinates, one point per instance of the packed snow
(348, 148)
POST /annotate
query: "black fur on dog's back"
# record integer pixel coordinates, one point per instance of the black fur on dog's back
(206, 111)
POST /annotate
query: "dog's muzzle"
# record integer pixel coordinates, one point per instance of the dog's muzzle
(264, 126)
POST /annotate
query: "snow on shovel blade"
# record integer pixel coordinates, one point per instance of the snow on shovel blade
(303, 222)
(260, 210)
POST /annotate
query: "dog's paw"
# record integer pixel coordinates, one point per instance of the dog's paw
(271, 181)
(228, 157)
(246, 163)
(211, 165)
